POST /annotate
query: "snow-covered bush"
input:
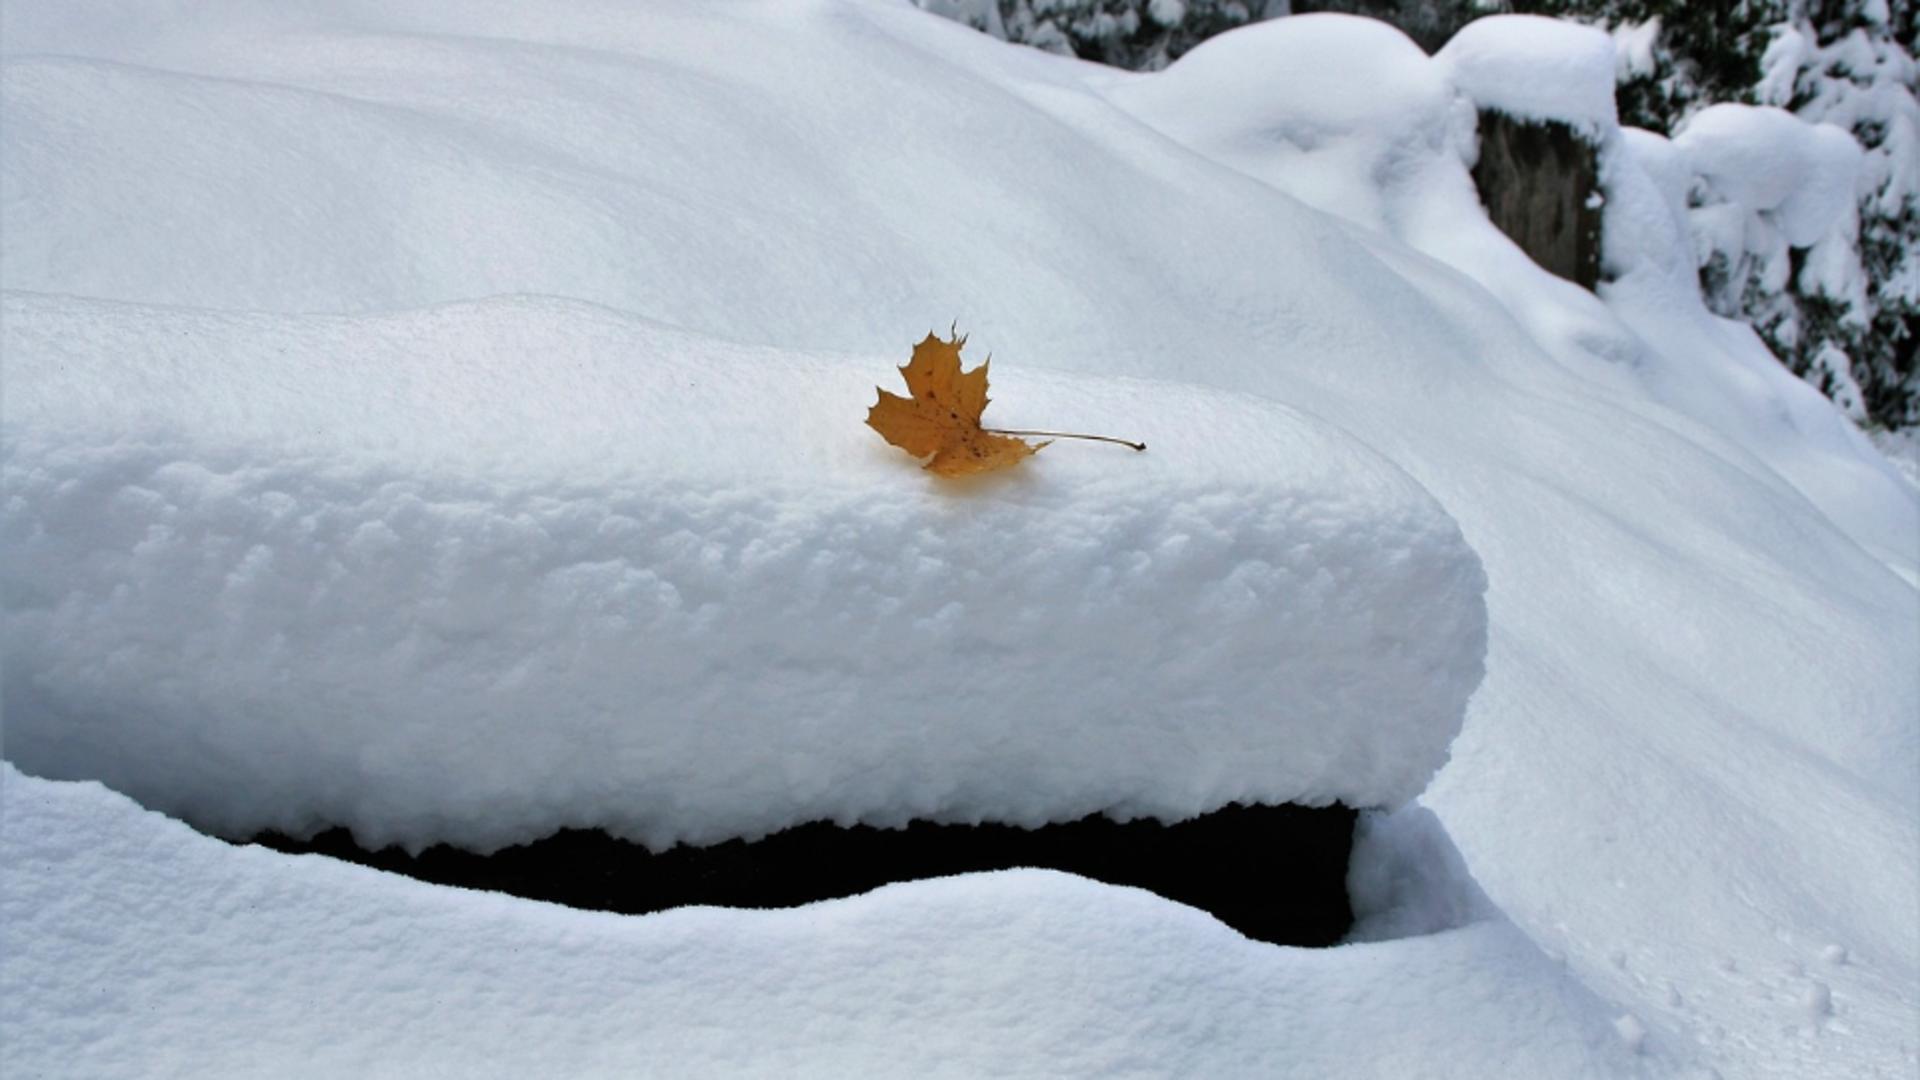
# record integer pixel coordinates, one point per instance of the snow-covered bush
(1857, 72)
(1841, 309)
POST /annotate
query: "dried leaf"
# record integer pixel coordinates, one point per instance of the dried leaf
(942, 418)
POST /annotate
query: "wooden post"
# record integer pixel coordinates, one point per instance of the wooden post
(1539, 181)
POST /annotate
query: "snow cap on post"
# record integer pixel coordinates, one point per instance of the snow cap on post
(1535, 68)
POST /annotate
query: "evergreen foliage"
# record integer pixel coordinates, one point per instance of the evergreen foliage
(1854, 333)
(1140, 35)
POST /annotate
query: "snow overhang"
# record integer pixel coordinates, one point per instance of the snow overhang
(480, 572)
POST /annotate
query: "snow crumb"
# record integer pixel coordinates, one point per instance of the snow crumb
(1816, 998)
(1632, 1032)
(1633, 45)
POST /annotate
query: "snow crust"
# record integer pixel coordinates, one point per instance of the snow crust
(1691, 773)
(138, 948)
(478, 572)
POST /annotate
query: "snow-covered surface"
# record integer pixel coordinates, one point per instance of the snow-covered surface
(1692, 772)
(1535, 68)
(479, 572)
(1768, 161)
(1307, 104)
(135, 947)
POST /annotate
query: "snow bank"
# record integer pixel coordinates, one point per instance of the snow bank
(192, 957)
(1535, 68)
(393, 573)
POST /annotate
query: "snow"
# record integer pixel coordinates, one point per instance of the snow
(1689, 775)
(1348, 116)
(1802, 176)
(1167, 12)
(138, 948)
(1788, 52)
(1535, 68)
(1307, 104)
(1633, 45)
(1865, 270)
(384, 572)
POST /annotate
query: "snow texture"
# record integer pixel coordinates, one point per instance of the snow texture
(1308, 103)
(1692, 772)
(1768, 161)
(386, 572)
(1535, 68)
(137, 948)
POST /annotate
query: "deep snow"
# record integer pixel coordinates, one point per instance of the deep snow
(383, 572)
(169, 953)
(1692, 770)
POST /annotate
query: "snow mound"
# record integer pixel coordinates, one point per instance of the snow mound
(279, 571)
(1306, 104)
(196, 958)
(1768, 161)
(1535, 68)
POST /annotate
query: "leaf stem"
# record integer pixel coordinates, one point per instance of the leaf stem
(1064, 435)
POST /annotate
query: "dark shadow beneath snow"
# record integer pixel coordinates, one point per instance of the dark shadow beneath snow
(1274, 873)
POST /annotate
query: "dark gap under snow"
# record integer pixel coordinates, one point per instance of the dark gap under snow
(1274, 873)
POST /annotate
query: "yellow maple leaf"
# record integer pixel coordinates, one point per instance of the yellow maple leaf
(942, 418)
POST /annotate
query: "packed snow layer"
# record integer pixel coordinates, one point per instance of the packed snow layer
(478, 572)
(1693, 769)
(195, 958)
